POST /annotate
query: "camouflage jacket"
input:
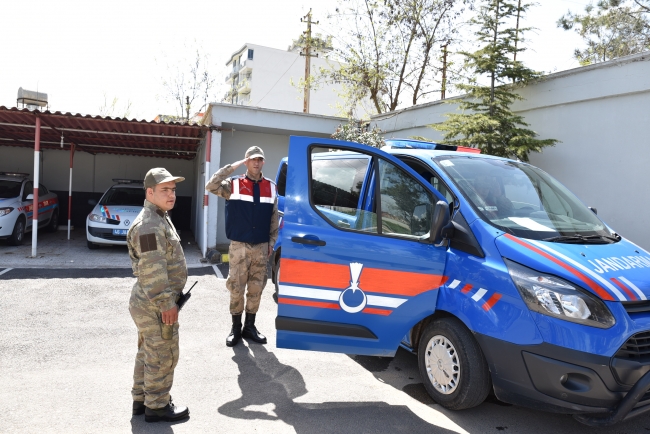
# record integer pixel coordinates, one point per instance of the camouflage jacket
(221, 185)
(157, 257)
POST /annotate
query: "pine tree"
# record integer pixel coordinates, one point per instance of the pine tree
(486, 120)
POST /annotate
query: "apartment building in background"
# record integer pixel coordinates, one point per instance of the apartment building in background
(268, 77)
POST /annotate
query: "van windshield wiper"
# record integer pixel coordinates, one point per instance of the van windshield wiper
(580, 239)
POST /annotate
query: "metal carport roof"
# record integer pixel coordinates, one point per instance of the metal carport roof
(96, 135)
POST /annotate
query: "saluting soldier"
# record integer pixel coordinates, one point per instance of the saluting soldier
(159, 264)
(252, 227)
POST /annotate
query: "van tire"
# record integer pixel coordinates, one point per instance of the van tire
(18, 234)
(92, 246)
(465, 380)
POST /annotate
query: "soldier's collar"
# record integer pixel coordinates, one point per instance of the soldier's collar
(154, 208)
(258, 180)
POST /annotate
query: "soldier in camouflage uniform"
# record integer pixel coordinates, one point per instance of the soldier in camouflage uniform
(159, 264)
(252, 227)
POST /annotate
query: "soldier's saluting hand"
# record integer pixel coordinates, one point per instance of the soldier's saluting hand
(159, 264)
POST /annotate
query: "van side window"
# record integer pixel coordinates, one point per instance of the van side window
(336, 186)
(282, 180)
(429, 175)
(344, 190)
(405, 204)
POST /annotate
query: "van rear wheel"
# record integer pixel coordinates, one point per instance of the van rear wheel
(452, 365)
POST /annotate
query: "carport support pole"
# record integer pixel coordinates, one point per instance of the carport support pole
(37, 166)
(208, 150)
(70, 188)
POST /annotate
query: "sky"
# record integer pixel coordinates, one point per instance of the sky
(83, 52)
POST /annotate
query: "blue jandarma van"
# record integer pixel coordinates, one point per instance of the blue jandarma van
(490, 270)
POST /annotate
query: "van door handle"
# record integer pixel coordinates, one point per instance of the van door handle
(311, 242)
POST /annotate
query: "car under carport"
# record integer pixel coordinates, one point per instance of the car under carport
(77, 156)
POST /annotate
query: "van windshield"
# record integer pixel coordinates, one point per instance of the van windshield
(523, 200)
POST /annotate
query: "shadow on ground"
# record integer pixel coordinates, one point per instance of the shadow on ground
(269, 388)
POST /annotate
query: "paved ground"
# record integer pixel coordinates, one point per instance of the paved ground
(67, 347)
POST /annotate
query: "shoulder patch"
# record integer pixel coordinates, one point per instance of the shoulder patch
(148, 243)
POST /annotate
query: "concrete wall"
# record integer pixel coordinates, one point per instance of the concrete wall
(600, 113)
(94, 174)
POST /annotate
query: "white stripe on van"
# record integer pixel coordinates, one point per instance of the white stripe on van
(633, 286)
(454, 284)
(333, 295)
(479, 294)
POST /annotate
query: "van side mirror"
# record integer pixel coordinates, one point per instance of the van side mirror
(30, 196)
(92, 202)
(594, 210)
(441, 226)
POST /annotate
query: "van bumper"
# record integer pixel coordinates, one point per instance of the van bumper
(557, 379)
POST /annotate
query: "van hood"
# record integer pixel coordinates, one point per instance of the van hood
(614, 272)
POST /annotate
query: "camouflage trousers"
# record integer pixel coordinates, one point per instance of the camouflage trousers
(156, 359)
(247, 274)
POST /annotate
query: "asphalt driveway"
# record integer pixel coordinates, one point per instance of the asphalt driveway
(68, 343)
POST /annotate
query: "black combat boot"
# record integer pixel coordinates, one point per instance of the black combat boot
(138, 407)
(235, 333)
(169, 413)
(250, 332)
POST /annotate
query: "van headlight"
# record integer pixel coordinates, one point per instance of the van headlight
(97, 218)
(5, 211)
(552, 296)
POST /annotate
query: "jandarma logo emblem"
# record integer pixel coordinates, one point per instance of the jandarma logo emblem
(353, 292)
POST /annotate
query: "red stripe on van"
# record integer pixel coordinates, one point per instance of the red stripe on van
(590, 283)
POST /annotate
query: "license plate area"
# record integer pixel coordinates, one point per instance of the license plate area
(120, 231)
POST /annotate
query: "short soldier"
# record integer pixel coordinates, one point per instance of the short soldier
(252, 227)
(159, 264)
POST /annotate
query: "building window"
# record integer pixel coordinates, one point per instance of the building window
(250, 54)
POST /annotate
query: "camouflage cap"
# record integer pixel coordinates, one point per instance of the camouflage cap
(254, 152)
(159, 175)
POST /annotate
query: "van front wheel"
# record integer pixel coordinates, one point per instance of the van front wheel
(452, 365)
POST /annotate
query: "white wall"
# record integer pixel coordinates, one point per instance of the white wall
(600, 113)
(91, 173)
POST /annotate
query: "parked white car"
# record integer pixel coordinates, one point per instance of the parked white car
(17, 203)
(109, 221)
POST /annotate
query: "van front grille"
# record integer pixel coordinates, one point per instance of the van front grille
(636, 348)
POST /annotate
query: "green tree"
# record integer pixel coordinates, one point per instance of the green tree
(611, 29)
(357, 131)
(486, 120)
(388, 48)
